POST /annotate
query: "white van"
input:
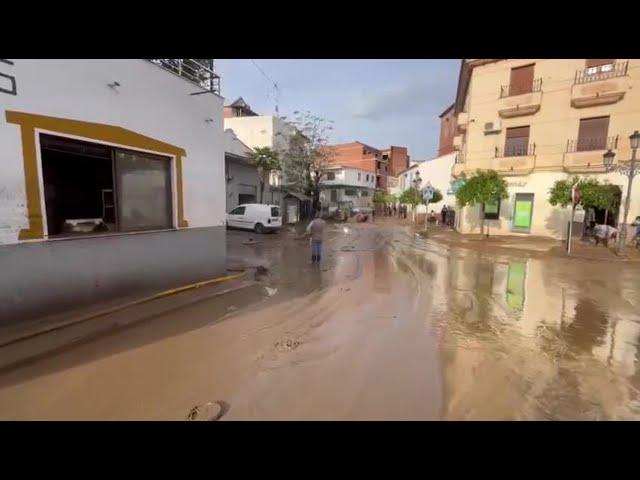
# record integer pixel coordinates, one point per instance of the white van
(255, 216)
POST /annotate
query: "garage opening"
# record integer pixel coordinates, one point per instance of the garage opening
(90, 188)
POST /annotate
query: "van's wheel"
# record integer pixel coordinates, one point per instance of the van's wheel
(259, 228)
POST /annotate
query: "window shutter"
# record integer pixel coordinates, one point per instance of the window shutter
(518, 132)
(521, 80)
(592, 134)
(517, 141)
(597, 62)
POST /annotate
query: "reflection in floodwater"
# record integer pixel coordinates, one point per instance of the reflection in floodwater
(515, 284)
(559, 345)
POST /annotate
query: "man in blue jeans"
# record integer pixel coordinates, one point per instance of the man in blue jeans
(316, 230)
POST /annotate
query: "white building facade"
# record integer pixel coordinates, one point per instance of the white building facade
(111, 178)
(349, 185)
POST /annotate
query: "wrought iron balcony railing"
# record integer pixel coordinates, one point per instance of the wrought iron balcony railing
(589, 144)
(198, 71)
(460, 157)
(593, 74)
(516, 151)
(517, 89)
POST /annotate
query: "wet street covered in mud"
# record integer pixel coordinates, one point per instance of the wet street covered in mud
(389, 326)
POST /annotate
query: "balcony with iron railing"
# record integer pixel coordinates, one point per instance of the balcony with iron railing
(458, 164)
(517, 100)
(601, 85)
(591, 144)
(515, 159)
(585, 154)
(516, 151)
(602, 72)
(518, 89)
(198, 71)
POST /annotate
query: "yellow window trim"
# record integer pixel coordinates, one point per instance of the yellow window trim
(91, 131)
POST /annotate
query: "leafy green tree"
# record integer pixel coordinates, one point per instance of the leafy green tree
(379, 196)
(437, 196)
(411, 196)
(485, 186)
(265, 160)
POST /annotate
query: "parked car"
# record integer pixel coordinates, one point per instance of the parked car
(255, 216)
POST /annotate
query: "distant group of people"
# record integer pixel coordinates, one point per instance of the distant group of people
(395, 210)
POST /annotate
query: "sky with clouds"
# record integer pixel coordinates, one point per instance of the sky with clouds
(378, 102)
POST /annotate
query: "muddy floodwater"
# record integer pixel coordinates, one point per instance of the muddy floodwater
(389, 326)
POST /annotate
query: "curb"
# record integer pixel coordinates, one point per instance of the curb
(524, 250)
(117, 308)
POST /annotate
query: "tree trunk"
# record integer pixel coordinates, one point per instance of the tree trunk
(482, 222)
(261, 190)
(606, 214)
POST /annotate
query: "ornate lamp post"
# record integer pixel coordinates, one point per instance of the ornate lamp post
(629, 169)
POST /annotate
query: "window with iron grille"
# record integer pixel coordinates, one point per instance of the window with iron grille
(331, 176)
(516, 142)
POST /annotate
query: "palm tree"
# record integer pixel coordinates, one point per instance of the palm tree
(265, 160)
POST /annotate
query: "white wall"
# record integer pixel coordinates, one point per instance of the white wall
(149, 101)
(438, 172)
(235, 146)
(546, 219)
(261, 131)
(349, 176)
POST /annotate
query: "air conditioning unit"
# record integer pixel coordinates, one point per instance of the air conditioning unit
(492, 127)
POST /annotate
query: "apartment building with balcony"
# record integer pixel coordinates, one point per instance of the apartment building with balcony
(536, 121)
(341, 185)
(364, 157)
(111, 180)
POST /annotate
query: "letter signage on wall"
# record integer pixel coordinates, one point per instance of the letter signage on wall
(7, 81)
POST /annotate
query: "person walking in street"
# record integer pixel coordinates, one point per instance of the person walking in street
(316, 230)
(636, 237)
(443, 215)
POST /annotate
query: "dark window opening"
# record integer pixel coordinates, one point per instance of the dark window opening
(246, 198)
(91, 188)
(334, 195)
(350, 192)
(491, 210)
(331, 176)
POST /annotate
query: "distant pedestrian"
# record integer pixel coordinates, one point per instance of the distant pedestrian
(316, 230)
(636, 237)
(443, 215)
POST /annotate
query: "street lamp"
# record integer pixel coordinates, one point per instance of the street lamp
(417, 181)
(628, 169)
